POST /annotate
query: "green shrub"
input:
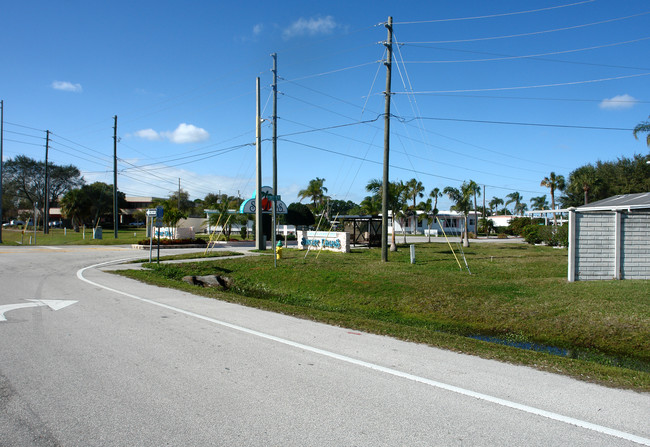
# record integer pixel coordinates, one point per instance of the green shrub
(517, 225)
(533, 234)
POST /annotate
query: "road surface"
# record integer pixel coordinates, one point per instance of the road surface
(95, 359)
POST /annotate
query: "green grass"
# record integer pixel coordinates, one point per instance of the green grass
(515, 292)
(57, 236)
(185, 256)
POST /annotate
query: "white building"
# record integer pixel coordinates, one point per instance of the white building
(452, 222)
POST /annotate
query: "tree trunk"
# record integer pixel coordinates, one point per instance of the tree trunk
(465, 235)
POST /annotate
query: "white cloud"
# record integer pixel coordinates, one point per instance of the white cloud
(257, 29)
(618, 102)
(148, 134)
(67, 86)
(310, 27)
(186, 133)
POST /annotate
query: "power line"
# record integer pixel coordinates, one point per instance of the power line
(561, 84)
(399, 167)
(23, 142)
(538, 56)
(24, 134)
(24, 127)
(513, 123)
(480, 39)
(493, 15)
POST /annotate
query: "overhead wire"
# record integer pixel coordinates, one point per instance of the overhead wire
(534, 33)
(536, 56)
(560, 84)
(398, 167)
(491, 16)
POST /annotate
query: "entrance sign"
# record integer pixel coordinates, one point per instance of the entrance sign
(248, 207)
(324, 240)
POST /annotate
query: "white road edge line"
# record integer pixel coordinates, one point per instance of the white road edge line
(372, 366)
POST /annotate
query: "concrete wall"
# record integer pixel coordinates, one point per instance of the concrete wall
(609, 245)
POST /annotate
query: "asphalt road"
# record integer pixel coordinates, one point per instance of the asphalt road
(121, 363)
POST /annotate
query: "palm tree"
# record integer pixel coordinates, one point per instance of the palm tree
(395, 194)
(585, 179)
(462, 202)
(434, 194)
(539, 203)
(74, 206)
(642, 127)
(432, 212)
(315, 191)
(494, 204)
(371, 205)
(554, 182)
(521, 208)
(415, 189)
(476, 190)
(516, 198)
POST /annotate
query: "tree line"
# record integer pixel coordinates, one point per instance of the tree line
(87, 204)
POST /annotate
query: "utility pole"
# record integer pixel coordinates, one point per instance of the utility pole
(274, 140)
(384, 192)
(2, 130)
(179, 193)
(46, 196)
(258, 163)
(115, 209)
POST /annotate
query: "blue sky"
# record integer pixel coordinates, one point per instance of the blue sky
(469, 79)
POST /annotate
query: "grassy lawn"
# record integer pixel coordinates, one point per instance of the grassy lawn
(212, 254)
(58, 236)
(517, 294)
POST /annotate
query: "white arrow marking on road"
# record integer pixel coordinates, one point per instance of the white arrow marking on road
(52, 304)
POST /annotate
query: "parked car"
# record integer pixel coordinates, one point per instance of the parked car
(13, 223)
(137, 224)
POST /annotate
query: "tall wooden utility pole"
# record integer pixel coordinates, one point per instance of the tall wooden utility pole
(2, 130)
(259, 231)
(46, 196)
(115, 209)
(384, 188)
(274, 140)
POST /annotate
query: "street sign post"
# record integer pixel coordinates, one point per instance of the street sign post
(160, 211)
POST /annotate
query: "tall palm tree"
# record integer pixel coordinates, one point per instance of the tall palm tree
(494, 204)
(642, 127)
(415, 189)
(516, 198)
(476, 190)
(462, 202)
(435, 194)
(554, 182)
(315, 191)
